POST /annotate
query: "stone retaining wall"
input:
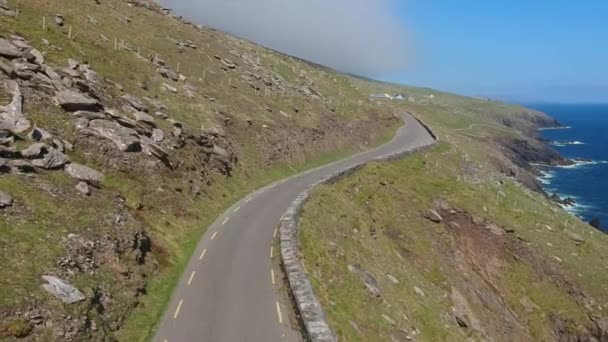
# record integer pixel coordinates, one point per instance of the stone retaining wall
(311, 315)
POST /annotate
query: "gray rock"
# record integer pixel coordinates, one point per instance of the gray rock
(8, 12)
(84, 173)
(158, 135)
(418, 291)
(152, 149)
(9, 50)
(34, 150)
(368, 279)
(62, 290)
(577, 238)
(83, 188)
(39, 134)
(4, 4)
(59, 19)
(169, 88)
(135, 102)
(433, 216)
(89, 115)
(145, 118)
(74, 101)
(24, 70)
(54, 159)
(392, 279)
(34, 56)
(126, 139)
(168, 73)
(5, 199)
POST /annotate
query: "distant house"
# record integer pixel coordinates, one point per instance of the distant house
(399, 97)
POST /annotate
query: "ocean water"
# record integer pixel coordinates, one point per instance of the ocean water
(586, 137)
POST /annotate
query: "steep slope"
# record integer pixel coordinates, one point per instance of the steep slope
(136, 130)
(125, 131)
(446, 247)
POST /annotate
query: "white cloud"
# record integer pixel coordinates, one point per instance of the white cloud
(357, 36)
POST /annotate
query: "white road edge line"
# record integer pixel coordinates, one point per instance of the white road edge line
(271, 251)
(179, 306)
(213, 236)
(248, 199)
(279, 313)
(236, 209)
(202, 254)
(225, 220)
(272, 275)
(274, 235)
(191, 277)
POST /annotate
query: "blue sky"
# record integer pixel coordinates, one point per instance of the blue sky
(522, 50)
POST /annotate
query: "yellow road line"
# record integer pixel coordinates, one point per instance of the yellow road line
(202, 254)
(225, 220)
(271, 250)
(179, 306)
(272, 275)
(279, 313)
(213, 236)
(191, 277)
(236, 209)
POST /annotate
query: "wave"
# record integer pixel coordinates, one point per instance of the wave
(565, 143)
(545, 177)
(554, 128)
(579, 163)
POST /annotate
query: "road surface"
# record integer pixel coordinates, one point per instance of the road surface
(226, 293)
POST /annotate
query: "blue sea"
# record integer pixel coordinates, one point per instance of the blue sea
(585, 137)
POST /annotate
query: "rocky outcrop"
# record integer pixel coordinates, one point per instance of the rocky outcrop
(5, 199)
(84, 173)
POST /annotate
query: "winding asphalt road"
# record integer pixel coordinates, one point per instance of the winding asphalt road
(227, 292)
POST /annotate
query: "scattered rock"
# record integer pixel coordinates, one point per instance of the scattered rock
(62, 290)
(392, 279)
(388, 320)
(494, 229)
(170, 88)
(35, 150)
(83, 188)
(168, 73)
(89, 115)
(418, 291)
(145, 118)
(433, 216)
(577, 238)
(125, 138)
(136, 103)
(84, 173)
(158, 135)
(9, 50)
(5, 199)
(528, 304)
(73, 101)
(54, 159)
(368, 279)
(59, 19)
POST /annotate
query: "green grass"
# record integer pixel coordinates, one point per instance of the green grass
(381, 228)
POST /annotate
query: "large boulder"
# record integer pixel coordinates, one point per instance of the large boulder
(72, 101)
(62, 290)
(125, 138)
(84, 173)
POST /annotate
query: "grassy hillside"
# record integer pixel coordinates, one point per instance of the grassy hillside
(442, 247)
(238, 116)
(182, 121)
